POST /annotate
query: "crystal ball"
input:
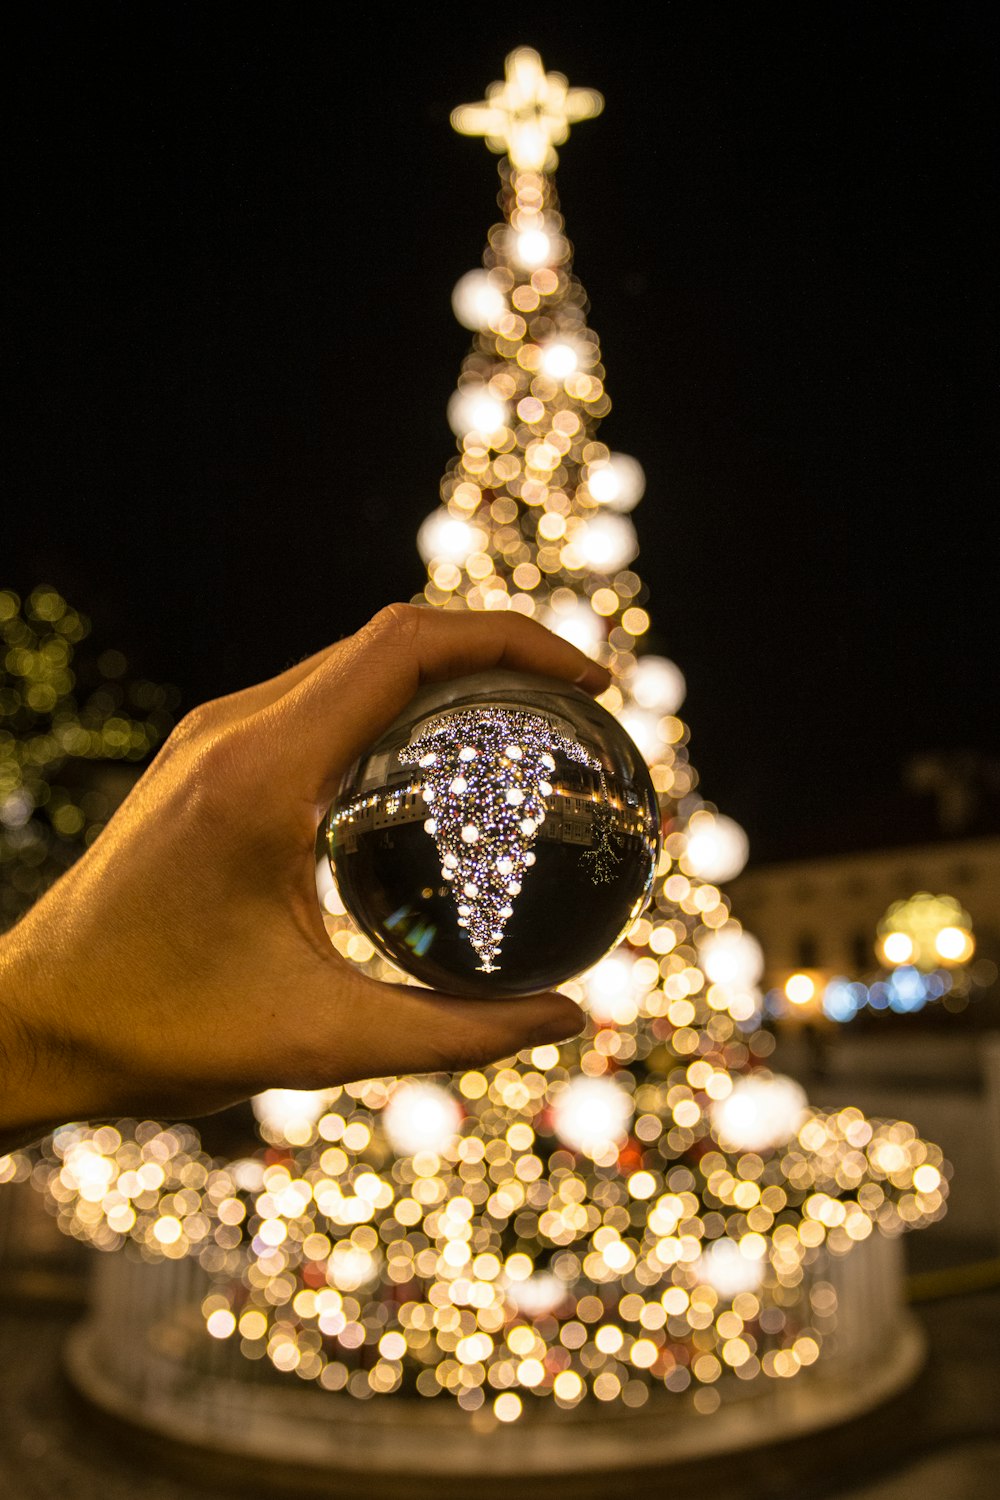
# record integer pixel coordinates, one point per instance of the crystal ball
(499, 838)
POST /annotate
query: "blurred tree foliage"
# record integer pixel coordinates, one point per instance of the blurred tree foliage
(71, 730)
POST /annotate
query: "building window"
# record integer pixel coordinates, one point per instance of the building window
(806, 951)
(861, 952)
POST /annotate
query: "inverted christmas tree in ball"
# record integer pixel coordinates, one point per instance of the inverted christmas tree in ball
(499, 838)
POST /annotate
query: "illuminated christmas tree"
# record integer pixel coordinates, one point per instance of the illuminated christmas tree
(641, 1208)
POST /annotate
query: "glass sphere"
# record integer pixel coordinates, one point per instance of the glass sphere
(499, 838)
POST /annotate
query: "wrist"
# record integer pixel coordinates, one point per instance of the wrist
(35, 1057)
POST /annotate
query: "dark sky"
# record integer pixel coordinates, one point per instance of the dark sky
(234, 232)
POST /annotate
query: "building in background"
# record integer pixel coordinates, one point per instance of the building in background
(821, 914)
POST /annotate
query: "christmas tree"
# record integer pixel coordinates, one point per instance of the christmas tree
(643, 1207)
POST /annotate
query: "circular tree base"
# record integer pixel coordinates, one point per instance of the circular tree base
(144, 1359)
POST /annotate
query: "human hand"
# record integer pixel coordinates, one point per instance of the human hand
(182, 963)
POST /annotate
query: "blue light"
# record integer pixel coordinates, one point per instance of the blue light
(907, 989)
(839, 1000)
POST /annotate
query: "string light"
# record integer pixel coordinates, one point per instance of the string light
(476, 411)
(717, 847)
(477, 301)
(617, 481)
(421, 1116)
(657, 684)
(759, 1113)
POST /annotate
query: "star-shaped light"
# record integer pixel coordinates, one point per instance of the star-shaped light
(529, 114)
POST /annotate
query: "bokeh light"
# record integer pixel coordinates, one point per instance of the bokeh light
(926, 931)
(477, 301)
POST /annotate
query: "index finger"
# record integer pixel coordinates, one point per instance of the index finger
(338, 710)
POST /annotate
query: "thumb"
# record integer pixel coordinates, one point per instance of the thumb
(401, 1029)
(328, 719)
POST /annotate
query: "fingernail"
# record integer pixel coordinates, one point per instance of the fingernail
(589, 671)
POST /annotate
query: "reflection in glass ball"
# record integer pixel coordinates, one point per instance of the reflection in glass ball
(499, 838)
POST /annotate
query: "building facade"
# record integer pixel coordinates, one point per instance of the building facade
(821, 914)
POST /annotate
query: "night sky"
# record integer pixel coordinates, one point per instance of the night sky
(233, 233)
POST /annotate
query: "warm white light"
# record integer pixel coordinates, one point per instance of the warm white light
(592, 1114)
(507, 1407)
(540, 1294)
(897, 947)
(290, 1113)
(762, 1113)
(658, 684)
(926, 930)
(643, 728)
(927, 1179)
(609, 983)
(421, 1117)
(529, 113)
(606, 543)
(580, 626)
(800, 989)
(953, 944)
(532, 247)
(221, 1323)
(350, 1266)
(617, 481)
(475, 410)
(445, 538)
(559, 360)
(731, 957)
(724, 1266)
(717, 847)
(477, 301)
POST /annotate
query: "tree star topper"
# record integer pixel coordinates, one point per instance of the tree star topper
(529, 114)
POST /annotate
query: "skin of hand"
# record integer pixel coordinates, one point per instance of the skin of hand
(182, 963)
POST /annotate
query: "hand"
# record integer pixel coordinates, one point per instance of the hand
(182, 963)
